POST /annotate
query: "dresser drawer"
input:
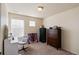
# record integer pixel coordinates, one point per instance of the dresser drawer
(52, 44)
(52, 39)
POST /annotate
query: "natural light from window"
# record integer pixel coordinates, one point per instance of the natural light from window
(32, 23)
(17, 27)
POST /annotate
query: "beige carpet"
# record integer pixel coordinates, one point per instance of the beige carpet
(43, 49)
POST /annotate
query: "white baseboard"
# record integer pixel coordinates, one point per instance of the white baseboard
(69, 52)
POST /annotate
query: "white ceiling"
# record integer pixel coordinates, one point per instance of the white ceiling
(30, 9)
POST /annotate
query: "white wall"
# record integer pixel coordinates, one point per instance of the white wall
(0, 23)
(27, 28)
(69, 21)
(4, 21)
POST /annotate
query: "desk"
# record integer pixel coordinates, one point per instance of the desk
(14, 41)
(10, 48)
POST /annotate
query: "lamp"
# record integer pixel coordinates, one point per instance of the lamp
(40, 8)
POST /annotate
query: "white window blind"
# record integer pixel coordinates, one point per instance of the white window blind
(32, 23)
(17, 27)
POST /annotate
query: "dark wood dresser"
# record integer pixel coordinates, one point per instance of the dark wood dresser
(54, 37)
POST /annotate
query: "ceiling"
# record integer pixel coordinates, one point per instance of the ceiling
(30, 9)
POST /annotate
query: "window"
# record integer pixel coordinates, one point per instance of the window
(17, 27)
(32, 23)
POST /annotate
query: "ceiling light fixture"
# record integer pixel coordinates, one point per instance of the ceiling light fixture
(40, 8)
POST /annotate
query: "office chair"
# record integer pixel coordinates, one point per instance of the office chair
(22, 41)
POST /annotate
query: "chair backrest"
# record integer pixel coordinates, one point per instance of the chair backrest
(23, 39)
